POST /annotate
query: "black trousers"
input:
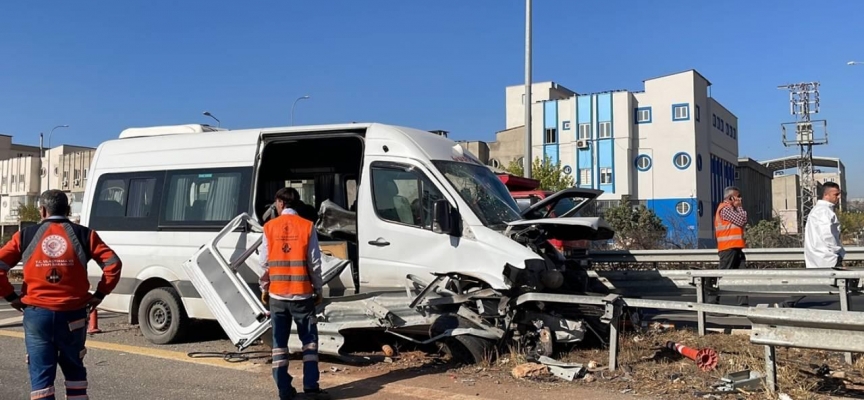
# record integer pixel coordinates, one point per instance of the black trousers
(731, 259)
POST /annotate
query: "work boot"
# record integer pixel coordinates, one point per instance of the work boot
(315, 395)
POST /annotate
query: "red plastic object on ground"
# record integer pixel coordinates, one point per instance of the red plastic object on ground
(706, 359)
(93, 325)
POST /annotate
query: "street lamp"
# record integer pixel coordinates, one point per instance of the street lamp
(48, 170)
(294, 105)
(218, 123)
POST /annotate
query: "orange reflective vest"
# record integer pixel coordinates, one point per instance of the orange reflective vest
(287, 246)
(729, 235)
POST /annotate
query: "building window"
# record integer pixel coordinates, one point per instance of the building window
(737, 175)
(494, 163)
(680, 112)
(681, 160)
(643, 115)
(585, 176)
(584, 131)
(565, 125)
(551, 136)
(699, 208)
(683, 208)
(735, 133)
(605, 176)
(699, 162)
(643, 162)
(85, 173)
(698, 113)
(605, 131)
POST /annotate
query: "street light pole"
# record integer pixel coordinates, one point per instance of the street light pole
(48, 170)
(294, 105)
(218, 123)
(528, 159)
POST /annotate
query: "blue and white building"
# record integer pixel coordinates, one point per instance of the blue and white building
(671, 146)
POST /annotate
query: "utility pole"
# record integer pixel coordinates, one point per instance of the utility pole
(803, 101)
(527, 160)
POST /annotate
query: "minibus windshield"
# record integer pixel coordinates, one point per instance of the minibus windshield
(483, 191)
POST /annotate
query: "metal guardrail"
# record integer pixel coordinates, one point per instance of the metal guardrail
(814, 329)
(709, 255)
(703, 283)
(811, 329)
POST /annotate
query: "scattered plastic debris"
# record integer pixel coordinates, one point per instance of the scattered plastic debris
(566, 371)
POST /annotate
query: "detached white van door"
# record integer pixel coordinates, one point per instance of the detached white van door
(395, 225)
(237, 308)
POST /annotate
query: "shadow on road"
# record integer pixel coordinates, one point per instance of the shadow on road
(372, 385)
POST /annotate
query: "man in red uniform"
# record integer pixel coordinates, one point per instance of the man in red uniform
(55, 295)
(291, 285)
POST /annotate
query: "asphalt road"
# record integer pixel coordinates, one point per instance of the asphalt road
(123, 365)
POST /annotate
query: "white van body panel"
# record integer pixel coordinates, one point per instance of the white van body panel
(160, 254)
(387, 251)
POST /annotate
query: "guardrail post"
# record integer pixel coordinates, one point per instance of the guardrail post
(771, 368)
(700, 299)
(843, 284)
(612, 316)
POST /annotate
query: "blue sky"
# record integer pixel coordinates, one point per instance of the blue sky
(102, 66)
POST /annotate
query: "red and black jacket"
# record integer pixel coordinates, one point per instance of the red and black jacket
(55, 254)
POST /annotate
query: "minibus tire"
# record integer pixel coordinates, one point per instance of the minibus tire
(161, 316)
(469, 350)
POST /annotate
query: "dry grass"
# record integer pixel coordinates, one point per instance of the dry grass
(647, 367)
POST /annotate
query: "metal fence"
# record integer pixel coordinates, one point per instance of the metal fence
(709, 255)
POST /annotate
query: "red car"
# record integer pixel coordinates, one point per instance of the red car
(568, 204)
(535, 204)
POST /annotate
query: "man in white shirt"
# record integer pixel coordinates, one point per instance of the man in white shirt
(822, 245)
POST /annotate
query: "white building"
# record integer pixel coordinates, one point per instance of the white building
(672, 147)
(24, 176)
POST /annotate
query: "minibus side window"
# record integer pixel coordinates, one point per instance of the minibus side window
(126, 202)
(205, 197)
(403, 196)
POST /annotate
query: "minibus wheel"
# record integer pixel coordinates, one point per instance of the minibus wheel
(161, 316)
(469, 350)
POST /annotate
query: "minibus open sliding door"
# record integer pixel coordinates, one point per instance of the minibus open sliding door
(237, 308)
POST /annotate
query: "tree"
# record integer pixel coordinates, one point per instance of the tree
(550, 175)
(851, 224)
(636, 228)
(28, 213)
(768, 233)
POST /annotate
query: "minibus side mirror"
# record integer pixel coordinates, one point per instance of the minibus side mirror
(446, 219)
